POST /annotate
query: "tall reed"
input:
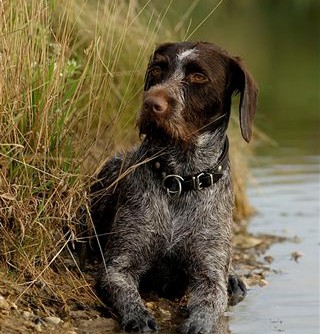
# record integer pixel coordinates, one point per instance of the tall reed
(71, 74)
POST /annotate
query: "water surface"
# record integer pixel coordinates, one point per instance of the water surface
(286, 196)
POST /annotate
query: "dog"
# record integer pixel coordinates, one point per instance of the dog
(165, 207)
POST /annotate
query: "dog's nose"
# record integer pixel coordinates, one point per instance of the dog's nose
(155, 104)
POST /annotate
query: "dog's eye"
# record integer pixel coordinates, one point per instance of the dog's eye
(197, 78)
(155, 71)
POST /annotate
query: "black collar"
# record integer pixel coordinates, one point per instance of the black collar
(175, 184)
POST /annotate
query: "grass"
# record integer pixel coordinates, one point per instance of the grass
(71, 75)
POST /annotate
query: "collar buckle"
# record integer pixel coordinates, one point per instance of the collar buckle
(202, 180)
(197, 184)
(173, 185)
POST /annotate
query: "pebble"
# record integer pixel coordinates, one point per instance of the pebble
(165, 314)
(37, 328)
(4, 305)
(150, 305)
(269, 259)
(14, 306)
(52, 320)
(263, 282)
(27, 315)
(296, 256)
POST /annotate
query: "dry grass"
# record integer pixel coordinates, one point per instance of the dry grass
(70, 77)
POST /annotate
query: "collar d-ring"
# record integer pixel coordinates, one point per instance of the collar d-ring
(173, 184)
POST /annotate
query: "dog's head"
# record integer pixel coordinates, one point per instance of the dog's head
(188, 87)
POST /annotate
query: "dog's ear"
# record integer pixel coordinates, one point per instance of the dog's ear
(243, 82)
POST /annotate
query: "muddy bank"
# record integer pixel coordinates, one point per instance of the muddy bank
(38, 311)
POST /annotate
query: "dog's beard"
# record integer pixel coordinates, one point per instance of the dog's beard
(151, 129)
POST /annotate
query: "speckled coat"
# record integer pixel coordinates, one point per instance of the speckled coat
(183, 119)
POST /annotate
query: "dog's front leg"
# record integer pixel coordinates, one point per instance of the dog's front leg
(125, 261)
(207, 303)
(121, 290)
(208, 293)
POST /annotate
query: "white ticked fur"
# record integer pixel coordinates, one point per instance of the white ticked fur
(174, 82)
(190, 54)
(146, 227)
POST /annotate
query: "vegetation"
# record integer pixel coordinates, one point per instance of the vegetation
(71, 75)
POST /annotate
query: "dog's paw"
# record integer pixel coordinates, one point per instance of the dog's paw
(139, 323)
(236, 289)
(196, 325)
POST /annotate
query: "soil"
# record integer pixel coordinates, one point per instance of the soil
(27, 315)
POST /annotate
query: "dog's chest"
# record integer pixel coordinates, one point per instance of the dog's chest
(187, 216)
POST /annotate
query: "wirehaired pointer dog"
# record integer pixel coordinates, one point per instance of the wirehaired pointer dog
(166, 206)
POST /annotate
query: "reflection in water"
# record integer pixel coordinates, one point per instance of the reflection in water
(222, 327)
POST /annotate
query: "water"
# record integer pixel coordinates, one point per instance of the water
(287, 198)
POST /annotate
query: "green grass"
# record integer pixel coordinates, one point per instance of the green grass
(71, 74)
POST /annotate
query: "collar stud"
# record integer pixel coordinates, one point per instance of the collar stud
(157, 165)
